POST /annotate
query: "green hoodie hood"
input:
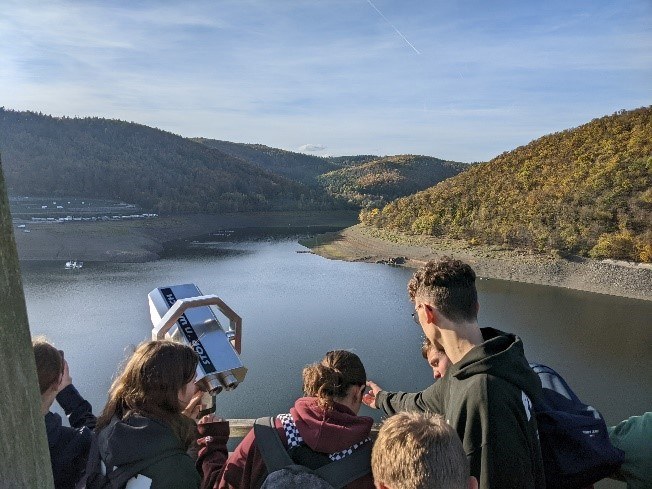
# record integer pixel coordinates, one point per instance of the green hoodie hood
(501, 355)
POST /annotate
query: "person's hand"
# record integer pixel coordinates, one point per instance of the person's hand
(210, 418)
(66, 379)
(369, 399)
(194, 406)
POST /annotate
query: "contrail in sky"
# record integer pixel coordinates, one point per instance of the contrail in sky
(393, 27)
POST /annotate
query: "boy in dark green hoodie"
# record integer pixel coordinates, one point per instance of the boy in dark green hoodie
(487, 392)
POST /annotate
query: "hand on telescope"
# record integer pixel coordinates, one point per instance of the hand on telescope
(369, 398)
(210, 418)
(194, 406)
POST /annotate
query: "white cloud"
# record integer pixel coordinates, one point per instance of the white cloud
(310, 148)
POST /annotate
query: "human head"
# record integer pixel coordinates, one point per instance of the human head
(448, 285)
(436, 356)
(49, 364)
(150, 384)
(332, 378)
(419, 451)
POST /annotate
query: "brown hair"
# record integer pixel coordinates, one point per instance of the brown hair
(331, 378)
(149, 385)
(419, 451)
(449, 285)
(49, 363)
(427, 345)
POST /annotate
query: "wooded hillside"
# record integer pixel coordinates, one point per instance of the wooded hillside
(296, 166)
(160, 171)
(376, 182)
(584, 191)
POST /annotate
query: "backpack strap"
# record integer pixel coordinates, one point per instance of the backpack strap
(352, 467)
(270, 445)
(338, 474)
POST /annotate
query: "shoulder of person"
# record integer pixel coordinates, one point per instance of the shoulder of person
(175, 472)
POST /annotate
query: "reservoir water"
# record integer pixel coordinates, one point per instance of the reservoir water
(297, 306)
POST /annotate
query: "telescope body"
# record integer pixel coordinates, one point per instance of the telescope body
(181, 313)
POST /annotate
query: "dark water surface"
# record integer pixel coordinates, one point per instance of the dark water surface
(296, 306)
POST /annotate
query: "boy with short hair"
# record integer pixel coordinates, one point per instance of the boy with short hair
(419, 451)
(487, 392)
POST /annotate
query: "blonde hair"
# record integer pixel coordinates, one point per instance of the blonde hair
(331, 378)
(419, 451)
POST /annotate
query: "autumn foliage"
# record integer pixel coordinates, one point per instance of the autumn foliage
(583, 191)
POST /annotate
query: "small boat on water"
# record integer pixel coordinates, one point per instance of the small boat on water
(74, 264)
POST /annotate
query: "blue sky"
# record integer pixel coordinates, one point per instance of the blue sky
(461, 80)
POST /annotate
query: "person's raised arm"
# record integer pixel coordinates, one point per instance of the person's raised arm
(430, 399)
(213, 435)
(78, 410)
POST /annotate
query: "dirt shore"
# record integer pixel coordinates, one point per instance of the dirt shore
(360, 243)
(130, 241)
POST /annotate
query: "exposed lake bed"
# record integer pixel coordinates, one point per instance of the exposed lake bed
(360, 243)
(135, 242)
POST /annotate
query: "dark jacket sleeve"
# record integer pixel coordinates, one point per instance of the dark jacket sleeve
(430, 400)
(213, 452)
(68, 450)
(78, 410)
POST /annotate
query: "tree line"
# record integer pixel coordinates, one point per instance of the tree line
(584, 191)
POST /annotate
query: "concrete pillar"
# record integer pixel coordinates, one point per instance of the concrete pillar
(24, 454)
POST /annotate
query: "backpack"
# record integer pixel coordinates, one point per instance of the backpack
(283, 471)
(574, 440)
(98, 476)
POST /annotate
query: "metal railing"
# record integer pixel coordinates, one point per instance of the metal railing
(240, 427)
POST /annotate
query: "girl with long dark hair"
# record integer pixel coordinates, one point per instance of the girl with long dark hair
(144, 428)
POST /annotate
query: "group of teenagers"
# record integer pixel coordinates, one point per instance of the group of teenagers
(473, 427)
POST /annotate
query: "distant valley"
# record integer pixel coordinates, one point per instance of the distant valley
(584, 191)
(160, 172)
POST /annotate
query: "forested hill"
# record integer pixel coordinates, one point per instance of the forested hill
(160, 171)
(584, 191)
(376, 182)
(297, 166)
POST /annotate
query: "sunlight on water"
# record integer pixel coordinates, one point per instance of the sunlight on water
(297, 306)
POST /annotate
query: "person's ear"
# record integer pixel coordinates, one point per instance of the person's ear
(473, 483)
(431, 315)
(360, 392)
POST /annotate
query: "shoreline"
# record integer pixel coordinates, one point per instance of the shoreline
(360, 243)
(148, 240)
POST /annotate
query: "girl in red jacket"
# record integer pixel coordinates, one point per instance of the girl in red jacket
(321, 427)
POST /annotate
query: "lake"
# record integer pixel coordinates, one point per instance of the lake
(297, 306)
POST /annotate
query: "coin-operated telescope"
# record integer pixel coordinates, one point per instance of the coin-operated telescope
(181, 313)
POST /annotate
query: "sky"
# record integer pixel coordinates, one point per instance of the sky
(460, 80)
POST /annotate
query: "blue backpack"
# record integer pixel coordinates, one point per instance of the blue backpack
(574, 440)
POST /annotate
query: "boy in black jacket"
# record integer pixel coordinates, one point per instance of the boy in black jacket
(486, 394)
(68, 445)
